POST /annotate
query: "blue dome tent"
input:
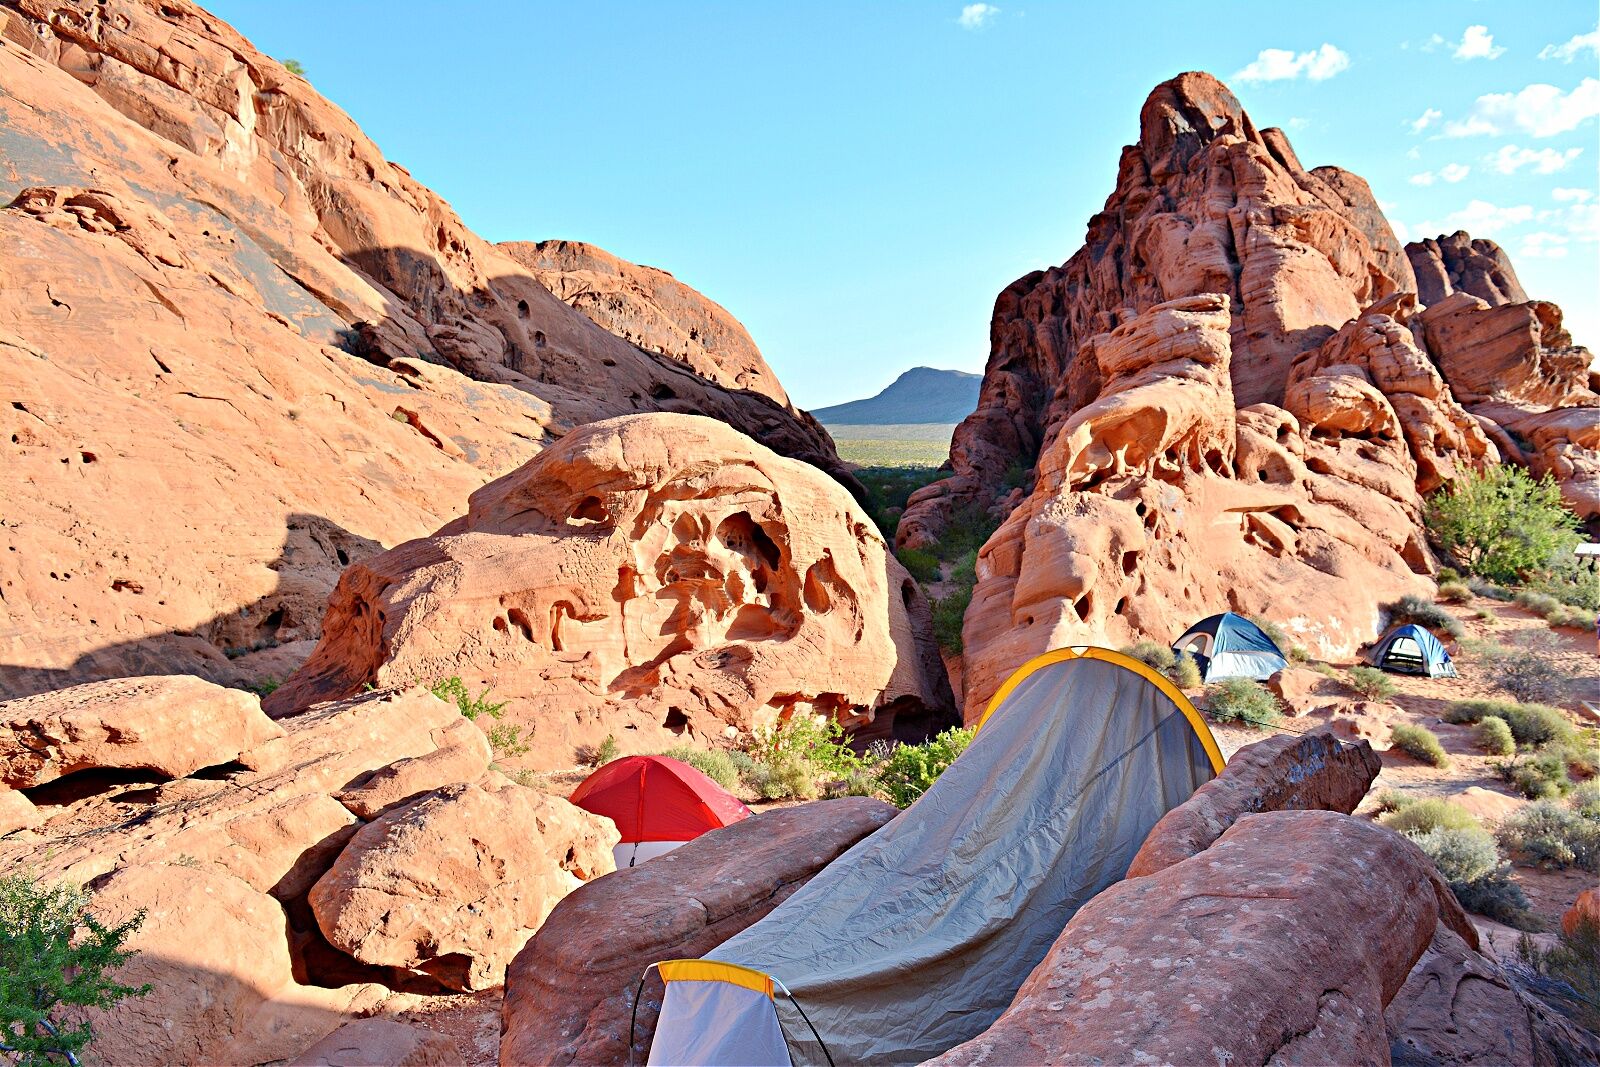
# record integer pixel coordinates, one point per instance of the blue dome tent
(1410, 649)
(1231, 646)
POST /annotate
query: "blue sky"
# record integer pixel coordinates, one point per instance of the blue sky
(856, 182)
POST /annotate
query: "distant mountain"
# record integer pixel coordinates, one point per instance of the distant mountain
(921, 394)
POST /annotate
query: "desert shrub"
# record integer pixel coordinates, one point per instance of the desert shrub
(1532, 725)
(1498, 897)
(1426, 614)
(1486, 615)
(787, 777)
(969, 529)
(888, 489)
(1185, 672)
(1570, 581)
(820, 742)
(1582, 760)
(1501, 524)
(1574, 965)
(923, 566)
(1536, 602)
(1448, 574)
(1488, 651)
(949, 615)
(1551, 834)
(1541, 777)
(1243, 700)
(861, 782)
(506, 740)
(1494, 736)
(294, 66)
(454, 690)
(605, 752)
(1569, 616)
(1371, 683)
(1491, 590)
(911, 770)
(1527, 675)
(1419, 742)
(1425, 816)
(1478, 875)
(1152, 654)
(1455, 592)
(1018, 475)
(54, 955)
(1392, 800)
(715, 764)
(1327, 670)
(1275, 633)
(1585, 799)
(262, 687)
(1300, 654)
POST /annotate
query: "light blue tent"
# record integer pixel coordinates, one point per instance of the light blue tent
(1231, 646)
(1410, 649)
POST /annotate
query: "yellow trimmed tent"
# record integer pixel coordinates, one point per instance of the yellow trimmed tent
(917, 938)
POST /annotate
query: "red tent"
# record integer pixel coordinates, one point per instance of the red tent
(657, 804)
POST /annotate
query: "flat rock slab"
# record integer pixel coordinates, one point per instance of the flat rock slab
(379, 1043)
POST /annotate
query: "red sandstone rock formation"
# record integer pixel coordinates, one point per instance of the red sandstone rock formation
(644, 577)
(242, 350)
(1456, 263)
(650, 308)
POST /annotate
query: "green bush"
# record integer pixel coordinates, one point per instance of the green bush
(1243, 700)
(1275, 633)
(293, 66)
(949, 614)
(1491, 590)
(1548, 833)
(1527, 675)
(1371, 683)
(923, 566)
(1501, 524)
(506, 740)
(1532, 725)
(454, 689)
(1455, 592)
(787, 777)
(605, 752)
(1569, 616)
(1570, 581)
(1494, 736)
(1542, 777)
(1487, 615)
(1448, 574)
(819, 742)
(1186, 672)
(1536, 602)
(1463, 854)
(715, 764)
(1498, 897)
(1582, 760)
(1420, 743)
(1574, 963)
(1299, 654)
(1425, 816)
(263, 687)
(1392, 800)
(911, 770)
(1585, 799)
(54, 955)
(1426, 614)
(1152, 654)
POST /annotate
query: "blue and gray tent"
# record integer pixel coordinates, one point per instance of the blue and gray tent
(1231, 646)
(1410, 649)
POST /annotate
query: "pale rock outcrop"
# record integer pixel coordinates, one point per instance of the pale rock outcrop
(16, 812)
(241, 349)
(1160, 501)
(1290, 772)
(660, 574)
(1282, 942)
(650, 308)
(569, 993)
(1302, 691)
(455, 883)
(1371, 721)
(171, 726)
(1458, 263)
(1486, 805)
(379, 1043)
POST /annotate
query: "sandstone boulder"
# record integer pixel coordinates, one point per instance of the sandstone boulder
(1282, 942)
(1313, 771)
(1365, 720)
(455, 883)
(661, 574)
(379, 1043)
(461, 754)
(171, 726)
(16, 812)
(1458, 1007)
(1585, 908)
(569, 993)
(215, 954)
(1303, 690)
(1486, 805)
(1458, 263)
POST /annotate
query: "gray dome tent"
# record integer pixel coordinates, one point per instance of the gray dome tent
(917, 938)
(1231, 646)
(1410, 649)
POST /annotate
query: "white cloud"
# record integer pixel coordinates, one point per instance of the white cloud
(1280, 64)
(1544, 245)
(1297, 123)
(1538, 110)
(1583, 42)
(1426, 119)
(1454, 172)
(1401, 230)
(1433, 44)
(1511, 159)
(1413, 153)
(1478, 43)
(977, 16)
(1579, 196)
(1483, 219)
(1427, 177)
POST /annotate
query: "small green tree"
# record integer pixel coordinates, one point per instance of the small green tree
(54, 955)
(1501, 524)
(294, 66)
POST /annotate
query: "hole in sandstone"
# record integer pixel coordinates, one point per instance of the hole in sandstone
(591, 509)
(522, 309)
(519, 619)
(88, 457)
(1139, 509)
(1121, 606)
(1130, 562)
(1084, 606)
(538, 339)
(756, 623)
(908, 593)
(80, 785)
(343, 557)
(676, 721)
(662, 391)
(500, 624)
